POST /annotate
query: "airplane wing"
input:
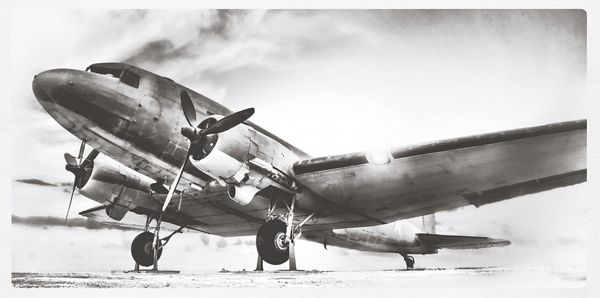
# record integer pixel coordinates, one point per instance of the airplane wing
(423, 179)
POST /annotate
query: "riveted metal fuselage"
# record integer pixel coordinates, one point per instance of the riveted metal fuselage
(148, 117)
(140, 126)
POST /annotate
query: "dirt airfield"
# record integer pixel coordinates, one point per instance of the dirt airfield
(439, 277)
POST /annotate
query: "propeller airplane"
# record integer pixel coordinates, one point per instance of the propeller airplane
(184, 159)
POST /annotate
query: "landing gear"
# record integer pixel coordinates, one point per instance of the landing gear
(271, 242)
(410, 261)
(259, 264)
(275, 240)
(146, 247)
(142, 249)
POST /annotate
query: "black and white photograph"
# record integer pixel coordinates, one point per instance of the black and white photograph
(299, 148)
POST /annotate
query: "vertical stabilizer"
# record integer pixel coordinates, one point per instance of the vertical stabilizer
(429, 223)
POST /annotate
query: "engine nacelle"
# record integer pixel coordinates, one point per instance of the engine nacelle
(117, 186)
(227, 158)
(242, 194)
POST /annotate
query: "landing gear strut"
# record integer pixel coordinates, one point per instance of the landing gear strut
(410, 261)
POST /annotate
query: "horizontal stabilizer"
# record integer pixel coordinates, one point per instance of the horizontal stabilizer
(459, 242)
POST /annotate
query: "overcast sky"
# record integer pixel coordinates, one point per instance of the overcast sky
(329, 82)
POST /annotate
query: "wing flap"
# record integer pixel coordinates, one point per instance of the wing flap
(525, 188)
(438, 241)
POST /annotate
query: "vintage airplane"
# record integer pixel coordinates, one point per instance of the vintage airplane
(227, 176)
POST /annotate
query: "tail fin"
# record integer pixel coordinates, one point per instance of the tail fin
(429, 223)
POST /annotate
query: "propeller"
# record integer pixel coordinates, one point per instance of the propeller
(201, 137)
(80, 169)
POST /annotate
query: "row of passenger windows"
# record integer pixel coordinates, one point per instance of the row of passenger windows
(125, 76)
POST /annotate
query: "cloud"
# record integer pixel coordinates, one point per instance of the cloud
(205, 239)
(50, 221)
(158, 51)
(35, 181)
(568, 241)
(222, 243)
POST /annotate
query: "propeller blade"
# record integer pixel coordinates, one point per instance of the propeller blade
(71, 199)
(70, 159)
(89, 159)
(229, 121)
(81, 150)
(188, 108)
(175, 182)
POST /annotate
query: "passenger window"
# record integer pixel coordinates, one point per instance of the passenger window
(130, 79)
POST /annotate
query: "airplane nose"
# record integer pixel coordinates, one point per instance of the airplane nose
(48, 84)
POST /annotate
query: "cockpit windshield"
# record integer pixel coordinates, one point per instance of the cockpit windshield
(116, 71)
(110, 71)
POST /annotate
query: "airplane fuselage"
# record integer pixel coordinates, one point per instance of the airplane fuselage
(135, 124)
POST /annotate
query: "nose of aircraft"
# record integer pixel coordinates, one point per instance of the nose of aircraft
(48, 84)
(73, 96)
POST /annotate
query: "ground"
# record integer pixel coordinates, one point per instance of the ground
(440, 277)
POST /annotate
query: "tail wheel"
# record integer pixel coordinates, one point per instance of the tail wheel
(271, 244)
(410, 262)
(141, 249)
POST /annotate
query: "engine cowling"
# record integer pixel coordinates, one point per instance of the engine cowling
(226, 160)
(242, 194)
(117, 186)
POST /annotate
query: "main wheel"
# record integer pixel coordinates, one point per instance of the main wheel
(271, 244)
(141, 249)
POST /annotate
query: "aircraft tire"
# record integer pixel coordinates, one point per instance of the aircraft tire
(269, 242)
(141, 249)
(410, 262)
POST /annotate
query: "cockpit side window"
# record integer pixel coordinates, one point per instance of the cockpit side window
(113, 72)
(130, 79)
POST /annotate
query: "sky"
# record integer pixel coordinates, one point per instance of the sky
(329, 82)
